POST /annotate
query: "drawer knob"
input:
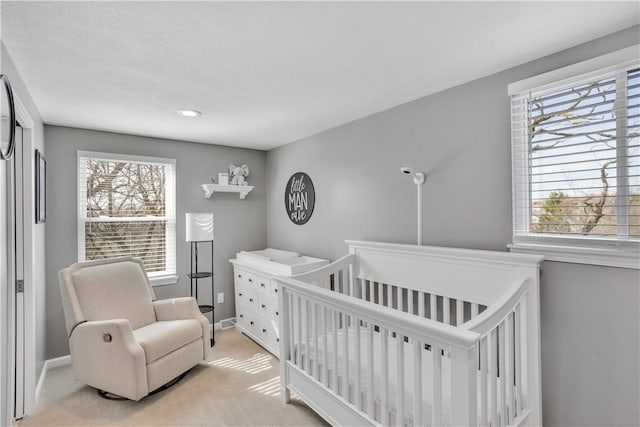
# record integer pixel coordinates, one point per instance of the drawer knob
(106, 337)
(242, 315)
(250, 299)
(239, 276)
(277, 339)
(239, 294)
(263, 285)
(250, 280)
(264, 306)
(264, 330)
(252, 322)
(276, 290)
(277, 314)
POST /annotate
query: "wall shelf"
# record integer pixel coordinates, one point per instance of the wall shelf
(243, 190)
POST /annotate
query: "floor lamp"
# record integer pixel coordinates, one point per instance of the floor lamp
(199, 229)
(418, 180)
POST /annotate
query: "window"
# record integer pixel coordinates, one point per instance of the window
(126, 206)
(576, 162)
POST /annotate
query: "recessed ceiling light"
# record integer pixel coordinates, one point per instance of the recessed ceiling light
(189, 113)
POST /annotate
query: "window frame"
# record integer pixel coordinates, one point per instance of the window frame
(167, 277)
(614, 252)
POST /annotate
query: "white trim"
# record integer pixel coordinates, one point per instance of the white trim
(618, 257)
(29, 256)
(587, 69)
(162, 280)
(218, 325)
(50, 364)
(125, 157)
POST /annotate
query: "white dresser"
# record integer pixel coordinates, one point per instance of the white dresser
(257, 312)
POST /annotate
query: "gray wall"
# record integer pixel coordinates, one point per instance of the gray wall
(36, 232)
(239, 224)
(461, 138)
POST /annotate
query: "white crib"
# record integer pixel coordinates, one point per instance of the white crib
(396, 334)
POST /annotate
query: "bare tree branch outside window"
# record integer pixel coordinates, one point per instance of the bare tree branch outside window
(126, 212)
(574, 137)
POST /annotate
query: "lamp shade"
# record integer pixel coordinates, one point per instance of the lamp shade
(199, 227)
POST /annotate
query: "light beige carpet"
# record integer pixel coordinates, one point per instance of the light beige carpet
(238, 386)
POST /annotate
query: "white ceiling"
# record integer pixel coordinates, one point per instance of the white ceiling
(266, 74)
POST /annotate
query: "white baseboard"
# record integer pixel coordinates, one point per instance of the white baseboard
(223, 324)
(50, 364)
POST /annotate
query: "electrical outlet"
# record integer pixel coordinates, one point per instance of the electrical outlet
(220, 297)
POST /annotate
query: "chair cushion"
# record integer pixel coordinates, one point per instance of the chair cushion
(161, 338)
(114, 291)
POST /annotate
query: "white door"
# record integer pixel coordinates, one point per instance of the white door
(12, 372)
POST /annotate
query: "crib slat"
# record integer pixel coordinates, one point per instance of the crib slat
(389, 296)
(436, 410)
(325, 337)
(291, 316)
(370, 371)
(459, 312)
(446, 311)
(417, 383)
(410, 301)
(400, 379)
(299, 332)
(384, 407)
(399, 298)
(345, 355)
(316, 371)
(306, 361)
(433, 301)
(508, 342)
(493, 365)
(371, 291)
(421, 296)
(334, 353)
(518, 359)
(475, 309)
(484, 421)
(356, 388)
(381, 293)
(502, 368)
(351, 281)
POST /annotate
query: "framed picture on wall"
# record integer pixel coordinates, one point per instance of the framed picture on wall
(41, 188)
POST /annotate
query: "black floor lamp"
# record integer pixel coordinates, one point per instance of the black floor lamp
(199, 229)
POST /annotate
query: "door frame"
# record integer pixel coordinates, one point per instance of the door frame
(29, 364)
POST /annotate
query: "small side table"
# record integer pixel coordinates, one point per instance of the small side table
(196, 275)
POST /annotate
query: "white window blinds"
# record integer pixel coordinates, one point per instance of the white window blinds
(576, 158)
(126, 206)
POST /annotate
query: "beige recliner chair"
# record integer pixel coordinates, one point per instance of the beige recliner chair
(121, 340)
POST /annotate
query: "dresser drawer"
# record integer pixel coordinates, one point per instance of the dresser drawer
(247, 318)
(246, 296)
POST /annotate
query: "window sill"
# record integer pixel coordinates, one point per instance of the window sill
(162, 280)
(623, 257)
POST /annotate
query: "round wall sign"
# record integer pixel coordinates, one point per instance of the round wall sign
(299, 198)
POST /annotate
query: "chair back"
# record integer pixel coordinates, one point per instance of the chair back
(116, 288)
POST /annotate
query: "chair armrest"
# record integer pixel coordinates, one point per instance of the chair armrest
(105, 355)
(184, 308)
(177, 309)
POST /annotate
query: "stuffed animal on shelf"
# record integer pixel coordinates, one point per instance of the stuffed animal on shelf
(238, 174)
